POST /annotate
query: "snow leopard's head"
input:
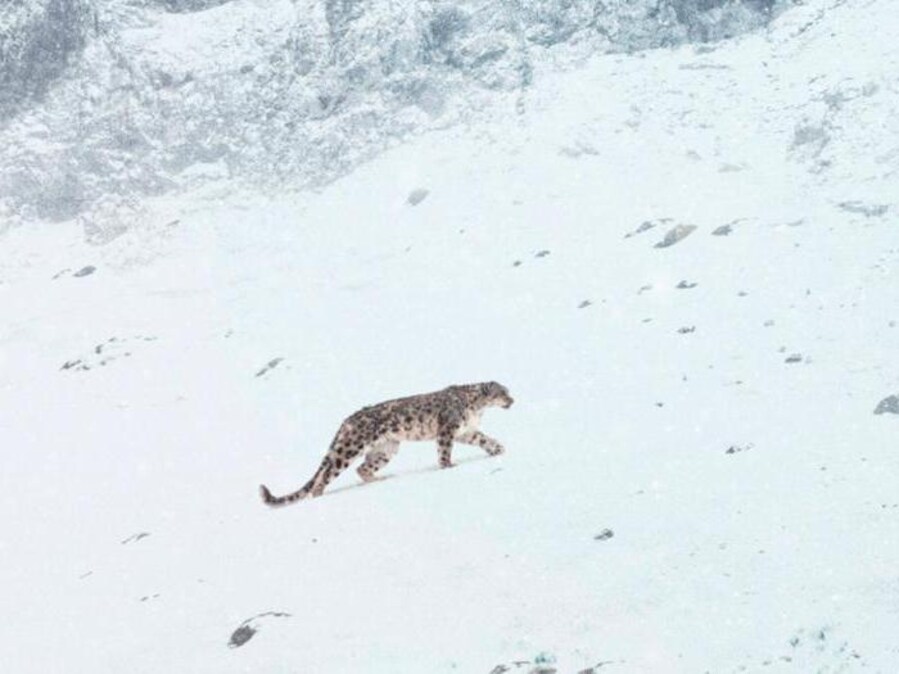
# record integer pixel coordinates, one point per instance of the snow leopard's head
(495, 394)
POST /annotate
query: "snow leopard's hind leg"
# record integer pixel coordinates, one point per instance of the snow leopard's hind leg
(376, 458)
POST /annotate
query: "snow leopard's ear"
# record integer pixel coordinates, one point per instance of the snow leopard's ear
(491, 388)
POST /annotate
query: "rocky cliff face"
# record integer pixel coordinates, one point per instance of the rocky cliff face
(104, 103)
(38, 40)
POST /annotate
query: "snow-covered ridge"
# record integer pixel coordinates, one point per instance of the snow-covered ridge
(164, 94)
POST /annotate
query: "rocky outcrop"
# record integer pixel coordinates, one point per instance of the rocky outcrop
(162, 94)
(38, 40)
(190, 5)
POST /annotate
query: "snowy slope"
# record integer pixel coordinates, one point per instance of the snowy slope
(710, 403)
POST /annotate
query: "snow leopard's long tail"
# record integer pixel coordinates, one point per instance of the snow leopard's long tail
(313, 487)
(272, 500)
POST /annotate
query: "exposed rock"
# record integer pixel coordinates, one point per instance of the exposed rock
(272, 364)
(135, 537)
(676, 235)
(190, 5)
(868, 210)
(39, 39)
(249, 627)
(722, 230)
(889, 405)
(417, 196)
(646, 225)
(138, 114)
(240, 636)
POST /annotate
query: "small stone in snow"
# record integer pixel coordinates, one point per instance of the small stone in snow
(889, 405)
(273, 363)
(645, 226)
(417, 196)
(723, 230)
(868, 210)
(675, 235)
(135, 537)
(240, 636)
(604, 535)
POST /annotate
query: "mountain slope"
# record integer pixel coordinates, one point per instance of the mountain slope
(695, 478)
(105, 103)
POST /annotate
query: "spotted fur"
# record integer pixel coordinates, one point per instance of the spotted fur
(447, 416)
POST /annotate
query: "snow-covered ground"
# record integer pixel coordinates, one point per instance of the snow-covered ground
(695, 479)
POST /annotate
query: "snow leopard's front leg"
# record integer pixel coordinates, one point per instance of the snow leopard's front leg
(485, 442)
(448, 426)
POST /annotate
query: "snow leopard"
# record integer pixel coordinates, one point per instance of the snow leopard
(449, 415)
